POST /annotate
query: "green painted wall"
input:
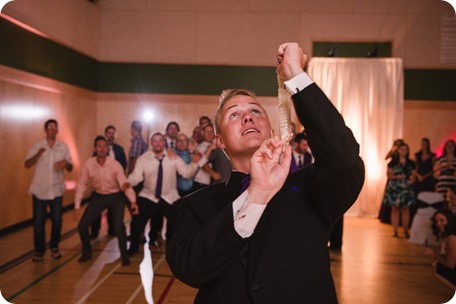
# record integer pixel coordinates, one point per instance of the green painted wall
(29, 52)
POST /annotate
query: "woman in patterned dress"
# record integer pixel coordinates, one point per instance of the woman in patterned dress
(399, 193)
(445, 170)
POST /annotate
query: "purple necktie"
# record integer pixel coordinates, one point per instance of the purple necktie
(245, 182)
(158, 188)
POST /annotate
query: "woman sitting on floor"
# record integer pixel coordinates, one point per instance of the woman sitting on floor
(444, 228)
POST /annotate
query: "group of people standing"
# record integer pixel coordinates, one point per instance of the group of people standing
(226, 236)
(147, 181)
(408, 178)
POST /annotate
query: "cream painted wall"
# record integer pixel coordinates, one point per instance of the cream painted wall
(235, 32)
(26, 102)
(73, 23)
(433, 119)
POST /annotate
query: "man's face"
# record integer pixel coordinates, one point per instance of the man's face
(101, 148)
(208, 133)
(204, 121)
(158, 143)
(244, 126)
(51, 130)
(302, 146)
(197, 135)
(182, 142)
(111, 135)
(172, 131)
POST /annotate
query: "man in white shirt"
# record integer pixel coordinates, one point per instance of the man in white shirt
(158, 170)
(203, 177)
(51, 158)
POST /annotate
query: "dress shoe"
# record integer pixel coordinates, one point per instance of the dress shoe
(85, 258)
(335, 249)
(125, 261)
(132, 252)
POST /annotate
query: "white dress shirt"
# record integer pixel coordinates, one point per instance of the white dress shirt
(146, 169)
(47, 182)
(202, 176)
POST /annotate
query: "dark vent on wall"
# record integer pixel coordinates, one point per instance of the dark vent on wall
(352, 49)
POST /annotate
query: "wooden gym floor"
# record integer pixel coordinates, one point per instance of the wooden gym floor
(372, 267)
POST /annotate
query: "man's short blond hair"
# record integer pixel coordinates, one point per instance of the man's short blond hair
(224, 97)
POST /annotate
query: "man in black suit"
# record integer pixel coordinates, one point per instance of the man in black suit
(268, 244)
(300, 156)
(115, 151)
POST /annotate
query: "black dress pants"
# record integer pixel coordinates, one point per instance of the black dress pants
(115, 203)
(151, 210)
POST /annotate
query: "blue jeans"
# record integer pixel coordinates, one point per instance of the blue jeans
(39, 221)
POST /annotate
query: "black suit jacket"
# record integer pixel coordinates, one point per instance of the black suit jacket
(120, 155)
(286, 260)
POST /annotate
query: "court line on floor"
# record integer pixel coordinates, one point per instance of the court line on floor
(140, 287)
(42, 277)
(166, 290)
(48, 273)
(95, 287)
(26, 256)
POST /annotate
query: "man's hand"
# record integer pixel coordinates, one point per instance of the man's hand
(31, 161)
(76, 214)
(171, 153)
(134, 208)
(125, 186)
(196, 157)
(268, 170)
(60, 165)
(290, 60)
(215, 175)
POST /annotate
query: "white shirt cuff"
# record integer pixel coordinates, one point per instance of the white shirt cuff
(246, 215)
(298, 83)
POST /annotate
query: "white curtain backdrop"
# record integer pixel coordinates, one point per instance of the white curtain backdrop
(369, 93)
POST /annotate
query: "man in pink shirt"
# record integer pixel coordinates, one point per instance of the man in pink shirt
(106, 177)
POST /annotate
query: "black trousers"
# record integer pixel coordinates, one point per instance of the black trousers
(335, 238)
(150, 210)
(115, 203)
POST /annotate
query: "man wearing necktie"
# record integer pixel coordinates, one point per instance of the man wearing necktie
(268, 244)
(172, 129)
(158, 171)
(300, 156)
